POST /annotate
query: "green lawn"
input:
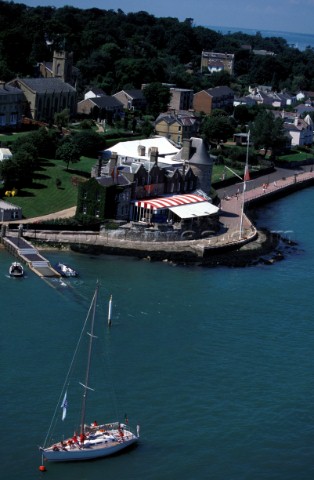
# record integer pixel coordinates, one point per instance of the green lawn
(220, 172)
(295, 157)
(44, 197)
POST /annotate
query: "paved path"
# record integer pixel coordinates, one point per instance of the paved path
(67, 213)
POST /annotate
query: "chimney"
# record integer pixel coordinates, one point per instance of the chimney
(154, 155)
(2, 85)
(296, 120)
(99, 164)
(141, 150)
(186, 149)
(113, 166)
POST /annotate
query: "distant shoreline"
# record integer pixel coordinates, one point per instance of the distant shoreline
(300, 40)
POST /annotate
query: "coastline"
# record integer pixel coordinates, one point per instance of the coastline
(237, 244)
(266, 248)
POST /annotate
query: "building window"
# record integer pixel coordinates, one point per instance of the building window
(2, 120)
(13, 118)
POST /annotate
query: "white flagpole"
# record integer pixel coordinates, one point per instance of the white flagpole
(244, 182)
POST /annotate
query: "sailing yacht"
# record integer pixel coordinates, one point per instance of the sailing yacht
(91, 441)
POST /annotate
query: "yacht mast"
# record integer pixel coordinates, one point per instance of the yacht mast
(89, 355)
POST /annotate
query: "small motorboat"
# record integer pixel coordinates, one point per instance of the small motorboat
(65, 270)
(16, 270)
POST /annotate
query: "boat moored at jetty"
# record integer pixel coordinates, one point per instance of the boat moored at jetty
(65, 270)
(16, 270)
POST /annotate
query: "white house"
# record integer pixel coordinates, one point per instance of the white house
(93, 93)
(300, 131)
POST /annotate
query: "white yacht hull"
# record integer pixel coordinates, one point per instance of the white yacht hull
(90, 450)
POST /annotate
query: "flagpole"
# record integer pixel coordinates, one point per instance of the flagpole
(245, 177)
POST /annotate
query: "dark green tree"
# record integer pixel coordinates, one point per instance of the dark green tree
(88, 142)
(217, 129)
(68, 151)
(61, 119)
(267, 132)
(158, 98)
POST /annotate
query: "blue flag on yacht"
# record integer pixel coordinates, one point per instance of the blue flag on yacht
(64, 406)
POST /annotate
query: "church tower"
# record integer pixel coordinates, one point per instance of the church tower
(62, 65)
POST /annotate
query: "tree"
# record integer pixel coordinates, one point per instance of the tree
(61, 119)
(88, 142)
(242, 114)
(267, 132)
(18, 171)
(158, 98)
(217, 129)
(68, 151)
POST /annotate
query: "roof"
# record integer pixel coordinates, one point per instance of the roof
(8, 206)
(106, 101)
(131, 148)
(184, 120)
(168, 202)
(199, 154)
(42, 85)
(219, 91)
(96, 91)
(6, 89)
(202, 209)
(134, 94)
(6, 152)
(108, 181)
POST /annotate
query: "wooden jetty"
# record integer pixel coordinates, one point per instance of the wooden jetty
(26, 253)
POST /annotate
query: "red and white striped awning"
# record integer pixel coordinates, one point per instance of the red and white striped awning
(168, 202)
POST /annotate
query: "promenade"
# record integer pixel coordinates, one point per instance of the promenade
(236, 228)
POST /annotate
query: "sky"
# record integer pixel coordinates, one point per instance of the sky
(278, 15)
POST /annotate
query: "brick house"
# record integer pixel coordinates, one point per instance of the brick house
(100, 107)
(131, 99)
(218, 97)
(181, 99)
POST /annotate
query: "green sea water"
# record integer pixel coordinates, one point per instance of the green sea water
(216, 365)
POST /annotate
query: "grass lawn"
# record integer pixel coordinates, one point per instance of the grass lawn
(7, 139)
(220, 172)
(295, 157)
(44, 197)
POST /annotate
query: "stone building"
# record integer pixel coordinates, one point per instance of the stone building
(11, 106)
(216, 62)
(43, 97)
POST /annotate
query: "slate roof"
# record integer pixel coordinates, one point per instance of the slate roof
(107, 181)
(42, 85)
(96, 91)
(219, 91)
(8, 90)
(199, 153)
(135, 94)
(106, 101)
(184, 120)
